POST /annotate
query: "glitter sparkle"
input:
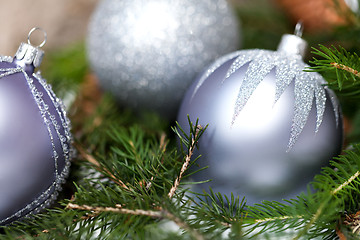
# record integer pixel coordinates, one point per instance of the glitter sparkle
(289, 68)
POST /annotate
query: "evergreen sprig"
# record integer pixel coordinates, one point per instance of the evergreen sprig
(341, 68)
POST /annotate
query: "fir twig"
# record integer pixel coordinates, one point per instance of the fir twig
(117, 209)
(346, 68)
(276, 218)
(187, 161)
(160, 214)
(98, 166)
(349, 181)
(163, 146)
(341, 68)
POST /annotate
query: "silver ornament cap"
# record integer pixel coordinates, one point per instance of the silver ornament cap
(293, 43)
(29, 54)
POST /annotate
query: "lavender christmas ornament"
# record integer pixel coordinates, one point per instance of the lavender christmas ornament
(35, 139)
(272, 125)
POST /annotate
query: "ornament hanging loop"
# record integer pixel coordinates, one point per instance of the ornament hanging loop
(299, 28)
(293, 43)
(27, 54)
(33, 30)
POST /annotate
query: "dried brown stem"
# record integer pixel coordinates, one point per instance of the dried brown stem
(340, 234)
(117, 209)
(353, 221)
(163, 142)
(345, 68)
(139, 212)
(186, 163)
(184, 226)
(349, 181)
(98, 166)
(163, 145)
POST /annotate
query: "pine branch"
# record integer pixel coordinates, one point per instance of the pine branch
(161, 214)
(99, 167)
(349, 181)
(341, 68)
(141, 199)
(337, 190)
(187, 161)
(117, 209)
(346, 68)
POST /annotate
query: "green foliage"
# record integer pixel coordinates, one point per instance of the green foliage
(261, 27)
(65, 69)
(341, 67)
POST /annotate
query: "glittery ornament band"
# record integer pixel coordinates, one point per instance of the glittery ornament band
(288, 68)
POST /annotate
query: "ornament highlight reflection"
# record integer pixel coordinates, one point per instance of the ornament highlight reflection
(154, 20)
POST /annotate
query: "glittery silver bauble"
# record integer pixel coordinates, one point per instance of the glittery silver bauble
(35, 140)
(147, 52)
(272, 126)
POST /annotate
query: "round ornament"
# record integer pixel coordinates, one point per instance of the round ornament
(271, 125)
(35, 139)
(147, 52)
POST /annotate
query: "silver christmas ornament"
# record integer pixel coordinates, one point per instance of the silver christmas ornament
(353, 5)
(35, 139)
(272, 125)
(147, 52)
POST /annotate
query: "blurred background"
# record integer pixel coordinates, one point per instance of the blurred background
(64, 21)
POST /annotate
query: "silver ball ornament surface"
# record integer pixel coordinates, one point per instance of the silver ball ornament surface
(147, 52)
(271, 126)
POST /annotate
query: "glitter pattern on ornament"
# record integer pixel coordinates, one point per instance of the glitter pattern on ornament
(289, 68)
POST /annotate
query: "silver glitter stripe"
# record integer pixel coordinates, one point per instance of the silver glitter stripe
(320, 97)
(65, 122)
(289, 68)
(285, 73)
(243, 58)
(52, 120)
(335, 105)
(254, 75)
(212, 69)
(9, 71)
(48, 120)
(6, 59)
(304, 95)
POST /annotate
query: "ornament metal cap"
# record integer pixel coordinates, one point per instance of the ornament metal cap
(29, 54)
(293, 43)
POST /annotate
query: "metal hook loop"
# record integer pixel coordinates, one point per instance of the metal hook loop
(299, 28)
(45, 36)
